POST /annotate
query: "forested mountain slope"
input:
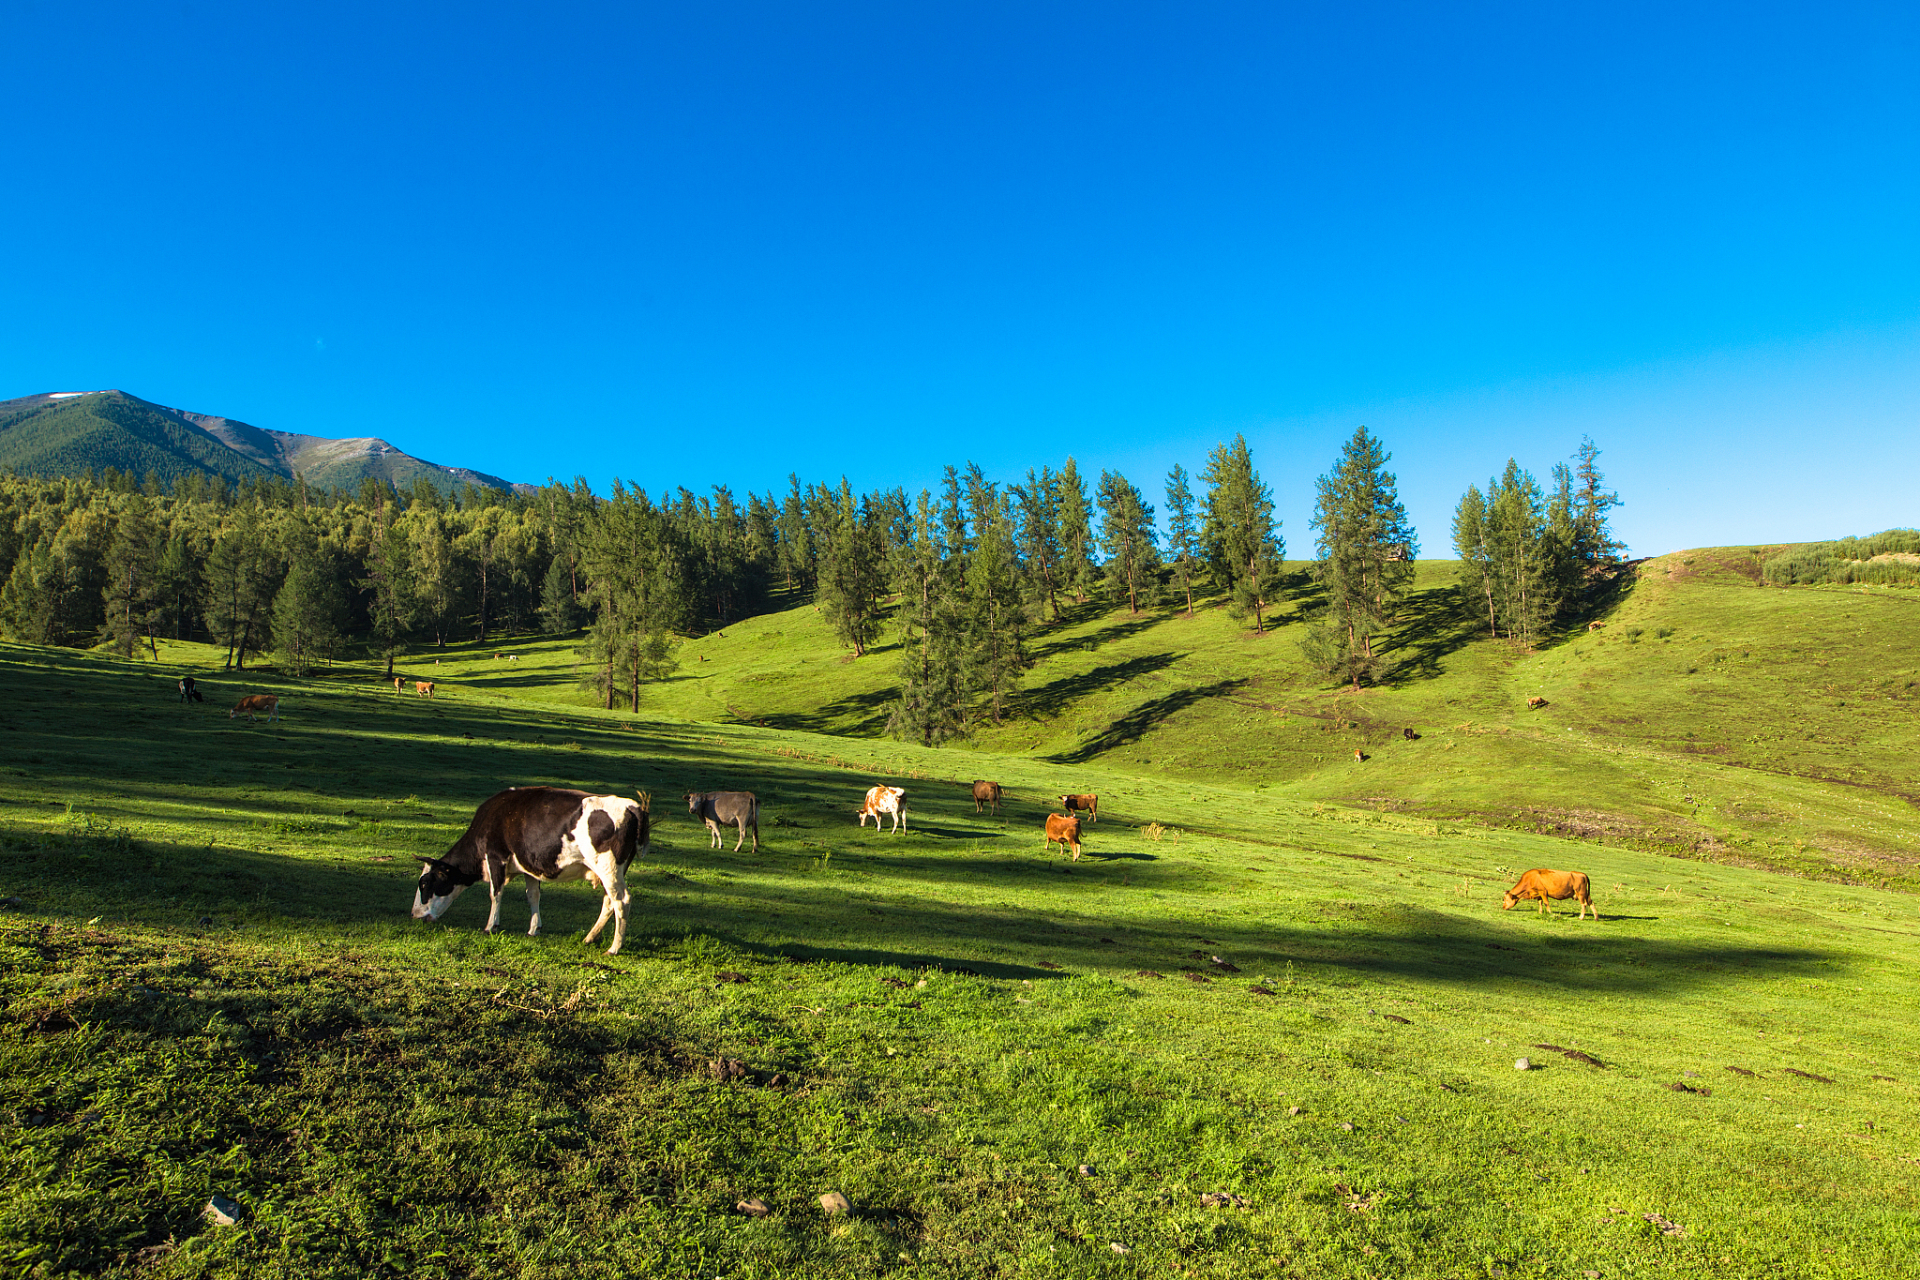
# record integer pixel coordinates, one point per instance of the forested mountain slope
(62, 434)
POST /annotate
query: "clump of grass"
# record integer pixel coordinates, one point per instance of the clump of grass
(1157, 832)
(1661, 633)
(1633, 634)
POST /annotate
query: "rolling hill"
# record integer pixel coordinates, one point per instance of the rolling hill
(64, 433)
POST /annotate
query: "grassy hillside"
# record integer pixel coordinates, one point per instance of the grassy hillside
(210, 986)
(1709, 716)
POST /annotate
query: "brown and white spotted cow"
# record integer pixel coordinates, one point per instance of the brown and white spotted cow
(884, 800)
(542, 833)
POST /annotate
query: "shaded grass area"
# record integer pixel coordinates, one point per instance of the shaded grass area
(210, 985)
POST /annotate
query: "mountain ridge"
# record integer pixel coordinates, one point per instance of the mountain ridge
(65, 432)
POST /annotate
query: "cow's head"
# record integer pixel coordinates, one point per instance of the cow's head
(439, 885)
(693, 803)
(1506, 903)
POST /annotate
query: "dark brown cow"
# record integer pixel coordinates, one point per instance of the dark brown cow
(189, 692)
(255, 704)
(1090, 804)
(542, 833)
(1063, 830)
(1541, 885)
(1409, 734)
(988, 794)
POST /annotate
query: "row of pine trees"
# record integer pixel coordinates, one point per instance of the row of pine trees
(962, 575)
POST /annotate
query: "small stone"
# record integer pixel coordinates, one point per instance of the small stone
(1117, 1247)
(1347, 1125)
(1293, 1111)
(754, 1208)
(920, 985)
(1087, 1171)
(223, 1211)
(833, 1203)
(1523, 1064)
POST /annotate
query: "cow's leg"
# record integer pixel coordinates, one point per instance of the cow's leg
(713, 834)
(600, 877)
(756, 832)
(494, 891)
(533, 902)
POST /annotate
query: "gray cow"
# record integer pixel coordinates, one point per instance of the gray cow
(727, 809)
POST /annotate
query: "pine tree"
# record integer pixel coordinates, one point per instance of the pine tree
(309, 609)
(131, 564)
(1366, 550)
(1182, 537)
(1127, 539)
(390, 611)
(430, 558)
(1594, 547)
(995, 614)
(936, 676)
(560, 613)
(1512, 552)
(1077, 571)
(851, 579)
(1243, 547)
(1471, 549)
(243, 573)
(1038, 502)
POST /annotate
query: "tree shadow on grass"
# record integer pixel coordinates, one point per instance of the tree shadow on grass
(867, 710)
(1434, 625)
(1139, 722)
(1120, 630)
(1037, 703)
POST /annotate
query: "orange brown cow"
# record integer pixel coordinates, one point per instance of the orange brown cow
(1539, 885)
(257, 704)
(1063, 830)
(423, 687)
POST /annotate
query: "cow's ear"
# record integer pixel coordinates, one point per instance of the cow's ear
(432, 862)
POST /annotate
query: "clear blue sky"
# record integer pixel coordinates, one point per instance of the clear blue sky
(693, 243)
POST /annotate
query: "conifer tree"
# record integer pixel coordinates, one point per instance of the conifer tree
(390, 610)
(131, 566)
(995, 613)
(1038, 502)
(309, 608)
(1182, 538)
(851, 578)
(1594, 547)
(1127, 540)
(1366, 550)
(1243, 546)
(1077, 570)
(936, 675)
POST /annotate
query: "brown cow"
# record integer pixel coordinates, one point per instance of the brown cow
(397, 682)
(1595, 626)
(1536, 702)
(1089, 803)
(1063, 830)
(267, 704)
(1540, 885)
(988, 794)
(1359, 756)
(423, 687)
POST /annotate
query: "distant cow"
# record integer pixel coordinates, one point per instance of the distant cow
(1595, 626)
(423, 687)
(1063, 830)
(987, 794)
(542, 833)
(1410, 735)
(1359, 756)
(1540, 885)
(728, 809)
(267, 704)
(1536, 702)
(189, 692)
(397, 682)
(1091, 804)
(883, 800)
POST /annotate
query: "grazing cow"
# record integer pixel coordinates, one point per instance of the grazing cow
(1536, 702)
(1359, 756)
(542, 833)
(1410, 735)
(1595, 626)
(397, 682)
(1063, 829)
(189, 692)
(988, 794)
(729, 809)
(884, 799)
(1089, 803)
(423, 687)
(267, 704)
(1541, 885)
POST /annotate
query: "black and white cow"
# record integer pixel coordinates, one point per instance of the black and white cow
(188, 691)
(542, 833)
(727, 809)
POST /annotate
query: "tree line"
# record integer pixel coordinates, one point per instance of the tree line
(963, 574)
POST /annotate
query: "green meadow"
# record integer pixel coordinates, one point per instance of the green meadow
(1266, 1026)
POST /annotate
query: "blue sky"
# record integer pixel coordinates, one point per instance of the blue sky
(688, 244)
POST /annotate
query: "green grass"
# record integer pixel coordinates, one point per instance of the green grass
(210, 985)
